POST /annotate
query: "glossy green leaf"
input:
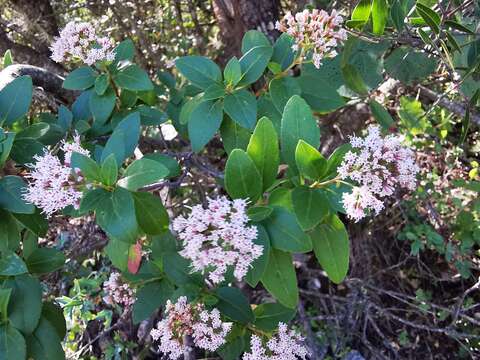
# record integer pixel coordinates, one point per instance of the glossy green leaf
(408, 65)
(263, 150)
(101, 84)
(133, 78)
(242, 179)
(282, 89)
(116, 216)
(331, 247)
(12, 265)
(259, 213)
(233, 135)
(9, 232)
(109, 171)
(380, 114)
(199, 70)
(151, 297)
(297, 124)
(280, 278)
(268, 315)
(379, 16)
(124, 139)
(44, 260)
(151, 215)
(36, 222)
(233, 304)
(232, 72)
(80, 79)
(15, 99)
(12, 189)
(142, 172)
(89, 168)
(101, 106)
(204, 123)
(361, 12)
(241, 106)
(12, 343)
(311, 206)
(45, 343)
(258, 266)
(253, 38)
(310, 162)
(285, 232)
(282, 51)
(254, 62)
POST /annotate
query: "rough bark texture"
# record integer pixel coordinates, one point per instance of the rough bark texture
(235, 17)
(26, 54)
(42, 78)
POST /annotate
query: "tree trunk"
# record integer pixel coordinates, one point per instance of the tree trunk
(235, 17)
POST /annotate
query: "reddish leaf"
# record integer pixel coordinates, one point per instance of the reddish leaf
(134, 257)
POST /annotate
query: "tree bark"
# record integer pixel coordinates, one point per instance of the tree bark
(235, 17)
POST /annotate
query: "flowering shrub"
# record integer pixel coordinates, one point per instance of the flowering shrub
(278, 194)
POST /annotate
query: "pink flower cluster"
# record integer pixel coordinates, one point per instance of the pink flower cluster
(218, 237)
(314, 30)
(79, 40)
(182, 319)
(54, 186)
(286, 345)
(379, 165)
(117, 291)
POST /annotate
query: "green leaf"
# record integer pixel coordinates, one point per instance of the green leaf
(397, 12)
(151, 116)
(9, 232)
(259, 213)
(321, 94)
(12, 343)
(282, 89)
(310, 162)
(12, 189)
(263, 150)
(254, 62)
(54, 314)
(310, 205)
(151, 215)
(242, 179)
(11, 265)
(267, 316)
(233, 135)
(101, 106)
(361, 13)
(280, 278)
(177, 269)
(241, 106)
(408, 65)
(297, 124)
(4, 299)
(25, 305)
(233, 348)
(379, 16)
(45, 343)
(44, 260)
(353, 79)
(133, 78)
(282, 51)
(7, 59)
(34, 131)
(109, 170)
(89, 168)
(116, 216)
(142, 172)
(125, 50)
(253, 38)
(214, 92)
(382, 116)
(36, 222)
(124, 139)
(101, 84)
(91, 199)
(204, 122)
(151, 297)
(23, 150)
(336, 159)
(6, 142)
(80, 79)
(232, 72)
(169, 162)
(430, 16)
(331, 247)
(117, 252)
(199, 70)
(233, 304)
(15, 99)
(457, 26)
(258, 266)
(285, 233)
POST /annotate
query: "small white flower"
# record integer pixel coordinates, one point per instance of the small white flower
(118, 292)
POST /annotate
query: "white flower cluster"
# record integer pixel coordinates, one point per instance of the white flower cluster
(117, 291)
(182, 319)
(379, 165)
(286, 345)
(79, 40)
(218, 237)
(54, 186)
(314, 30)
